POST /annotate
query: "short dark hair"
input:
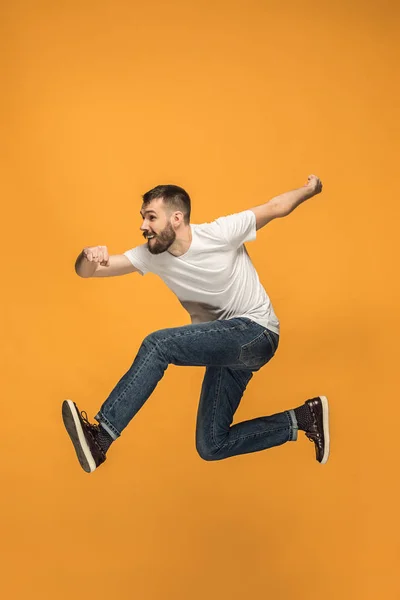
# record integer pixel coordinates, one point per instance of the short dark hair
(173, 196)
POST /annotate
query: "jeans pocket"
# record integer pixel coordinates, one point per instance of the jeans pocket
(273, 338)
(259, 351)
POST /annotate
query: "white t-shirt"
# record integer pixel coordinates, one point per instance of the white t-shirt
(215, 278)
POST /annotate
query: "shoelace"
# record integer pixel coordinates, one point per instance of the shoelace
(93, 430)
(310, 438)
(87, 422)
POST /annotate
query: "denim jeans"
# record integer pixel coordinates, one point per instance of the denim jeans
(231, 350)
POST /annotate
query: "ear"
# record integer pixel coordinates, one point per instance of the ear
(177, 217)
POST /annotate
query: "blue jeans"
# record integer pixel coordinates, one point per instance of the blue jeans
(231, 350)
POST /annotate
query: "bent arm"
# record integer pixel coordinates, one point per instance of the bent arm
(119, 264)
(284, 204)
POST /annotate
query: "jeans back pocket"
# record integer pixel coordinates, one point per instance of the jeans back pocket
(260, 350)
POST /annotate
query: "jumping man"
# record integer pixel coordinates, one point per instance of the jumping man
(233, 332)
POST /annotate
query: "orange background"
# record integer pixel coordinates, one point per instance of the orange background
(236, 102)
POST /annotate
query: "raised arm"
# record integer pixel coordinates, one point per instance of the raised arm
(96, 262)
(284, 204)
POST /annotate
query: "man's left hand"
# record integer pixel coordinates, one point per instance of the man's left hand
(314, 184)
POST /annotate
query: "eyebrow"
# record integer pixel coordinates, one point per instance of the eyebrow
(148, 211)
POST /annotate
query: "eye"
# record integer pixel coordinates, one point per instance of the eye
(152, 217)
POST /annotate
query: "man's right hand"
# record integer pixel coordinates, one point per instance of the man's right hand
(97, 254)
(94, 261)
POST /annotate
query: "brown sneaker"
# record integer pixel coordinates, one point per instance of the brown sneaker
(319, 430)
(84, 437)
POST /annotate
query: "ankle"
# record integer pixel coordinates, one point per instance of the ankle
(304, 417)
(104, 439)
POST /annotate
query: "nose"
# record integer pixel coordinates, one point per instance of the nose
(144, 229)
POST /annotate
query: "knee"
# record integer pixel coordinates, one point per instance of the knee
(207, 451)
(153, 342)
(151, 339)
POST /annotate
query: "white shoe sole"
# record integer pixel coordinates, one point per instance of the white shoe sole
(75, 431)
(325, 424)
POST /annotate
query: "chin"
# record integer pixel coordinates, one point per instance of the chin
(159, 246)
(155, 250)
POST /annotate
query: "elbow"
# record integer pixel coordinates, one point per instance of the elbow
(80, 274)
(281, 210)
(278, 210)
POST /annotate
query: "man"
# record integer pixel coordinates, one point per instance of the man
(234, 329)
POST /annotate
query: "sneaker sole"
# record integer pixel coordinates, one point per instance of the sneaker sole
(325, 424)
(75, 431)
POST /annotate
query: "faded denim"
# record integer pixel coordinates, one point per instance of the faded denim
(231, 350)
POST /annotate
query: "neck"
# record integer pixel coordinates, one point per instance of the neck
(182, 242)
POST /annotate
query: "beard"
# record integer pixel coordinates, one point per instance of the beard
(162, 241)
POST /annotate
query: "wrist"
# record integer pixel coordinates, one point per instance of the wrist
(309, 192)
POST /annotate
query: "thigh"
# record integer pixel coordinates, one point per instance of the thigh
(237, 343)
(221, 393)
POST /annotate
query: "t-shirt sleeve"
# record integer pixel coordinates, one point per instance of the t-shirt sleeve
(140, 257)
(238, 228)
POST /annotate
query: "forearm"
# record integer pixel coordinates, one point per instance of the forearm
(84, 267)
(285, 203)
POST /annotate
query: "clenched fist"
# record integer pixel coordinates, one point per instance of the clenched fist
(97, 254)
(314, 184)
